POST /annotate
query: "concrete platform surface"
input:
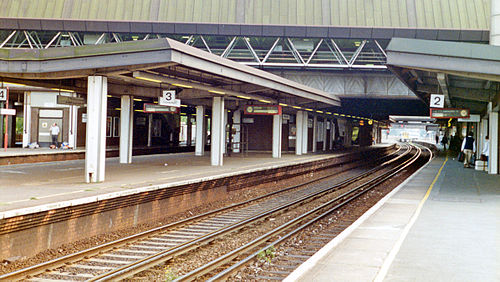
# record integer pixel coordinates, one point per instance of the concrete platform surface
(28, 188)
(440, 225)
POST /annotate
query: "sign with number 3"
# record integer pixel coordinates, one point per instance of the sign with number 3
(437, 101)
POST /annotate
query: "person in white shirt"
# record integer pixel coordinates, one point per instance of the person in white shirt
(486, 149)
(54, 133)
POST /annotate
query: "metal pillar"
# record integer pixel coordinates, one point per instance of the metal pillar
(315, 134)
(305, 132)
(237, 134)
(189, 132)
(27, 120)
(325, 132)
(200, 131)
(73, 125)
(332, 133)
(126, 129)
(277, 133)
(150, 129)
(493, 158)
(299, 123)
(218, 132)
(95, 151)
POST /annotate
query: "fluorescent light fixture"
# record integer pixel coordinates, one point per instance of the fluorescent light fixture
(109, 96)
(319, 112)
(342, 115)
(60, 89)
(217, 92)
(184, 106)
(156, 102)
(148, 79)
(328, 113)
(139, 111)
(311, 110)
(335, 114)
(296, 107)
(181, 85)
(283, 104)
(137, 99)
(349, 116)
(265, 101)
(244, 97)
(118, 109)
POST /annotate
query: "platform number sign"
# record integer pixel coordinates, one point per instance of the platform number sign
(437, 101)
(3, 94)
(168, 99)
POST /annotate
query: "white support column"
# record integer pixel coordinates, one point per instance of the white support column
(332, 133)
(493, 158)
(126, 129)
(237, 134)
(200, 131)
(226, 113)
(73, 125)
(483, 126)
(95, 151)
(150, 129)
(189, 133)
(325, 132)
(277, 134)
(27, 119)
(299, 123)
(217, 132)
(315, 133)
(305, 132)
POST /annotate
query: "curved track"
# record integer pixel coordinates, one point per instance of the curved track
(128, 256)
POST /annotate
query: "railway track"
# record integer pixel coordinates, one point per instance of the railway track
(225, 266)
(126, 257)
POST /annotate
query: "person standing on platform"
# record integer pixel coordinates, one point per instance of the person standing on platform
(468, 148)
(444, 141)
(54, 133)
(437, 139)
(486, 149)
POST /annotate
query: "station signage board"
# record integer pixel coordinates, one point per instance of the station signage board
(3, 94)
(168, 99)
(8, 112)
(154, 108)
(450, 113)
(67, 100)
(262, 110)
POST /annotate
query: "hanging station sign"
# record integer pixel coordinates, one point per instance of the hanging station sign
(3, 94)
(155, 108)
(67, 100)
(449, 113)
(262, 110)
(168, 99)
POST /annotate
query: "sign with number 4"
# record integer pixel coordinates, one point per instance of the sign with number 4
(3, 94)
(437, 101)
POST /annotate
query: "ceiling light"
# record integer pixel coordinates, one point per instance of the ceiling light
(181, 85)
(296, 107)
(217, 92)
(244, 97)
(265, 101)
(283, 104)
(148, 79)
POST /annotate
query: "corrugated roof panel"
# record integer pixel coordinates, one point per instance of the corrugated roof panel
(454, 14)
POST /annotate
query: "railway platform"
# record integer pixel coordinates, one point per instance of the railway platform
(440, 225)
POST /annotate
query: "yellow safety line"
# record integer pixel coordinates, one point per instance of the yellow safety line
(392, 255)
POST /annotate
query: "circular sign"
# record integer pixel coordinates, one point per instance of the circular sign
(370, 122)
(250, 109)
(463, 113)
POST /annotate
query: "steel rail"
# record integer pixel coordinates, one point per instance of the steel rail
(350, 195)
(148, 262)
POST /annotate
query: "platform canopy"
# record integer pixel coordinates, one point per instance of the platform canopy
(144, 68)
(467, 74)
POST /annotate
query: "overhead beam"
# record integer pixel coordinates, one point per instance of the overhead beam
(443, 84)
(139, 75)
